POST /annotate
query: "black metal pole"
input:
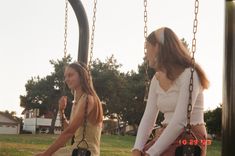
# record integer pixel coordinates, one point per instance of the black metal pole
(228, 115)
(83, 30)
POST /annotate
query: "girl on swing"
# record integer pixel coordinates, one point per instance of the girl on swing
(79, 81)
(169, 93)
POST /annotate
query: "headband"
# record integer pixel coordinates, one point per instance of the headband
(159, 34)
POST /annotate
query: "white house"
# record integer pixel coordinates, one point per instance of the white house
(8, 124)
(33, 123)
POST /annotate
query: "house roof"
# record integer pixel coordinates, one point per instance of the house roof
(9, 116)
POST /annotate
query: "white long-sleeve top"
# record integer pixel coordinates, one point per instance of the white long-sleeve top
(173, 103)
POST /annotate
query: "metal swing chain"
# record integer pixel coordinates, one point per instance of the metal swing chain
(89, 67)
(65, 28)
(147, 81)
(92, 34)
(195, 24)
(91, 53)
(65, 55)
(85, 123)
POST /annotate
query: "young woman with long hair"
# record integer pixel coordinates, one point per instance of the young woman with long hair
(169, 93)
(79, 81)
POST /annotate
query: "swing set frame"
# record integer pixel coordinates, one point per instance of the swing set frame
(228, 113)
(83, 30)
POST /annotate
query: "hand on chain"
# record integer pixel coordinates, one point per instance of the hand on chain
(62, 103)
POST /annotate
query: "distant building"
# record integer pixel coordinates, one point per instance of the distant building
(111, 126)
(41, 124)
(9, 124)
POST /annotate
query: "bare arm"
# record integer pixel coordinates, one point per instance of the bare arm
(62, 106)
(64, 120)
(73, 125)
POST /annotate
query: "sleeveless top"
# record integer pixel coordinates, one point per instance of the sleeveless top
(92, 137)
(92, 134)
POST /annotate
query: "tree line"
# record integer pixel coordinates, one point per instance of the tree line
(121, 93)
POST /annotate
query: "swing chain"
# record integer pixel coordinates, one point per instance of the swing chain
(145, 22)
(65, 55)
(65, 28)
(195, 25)
(147, 81)
(92, 34)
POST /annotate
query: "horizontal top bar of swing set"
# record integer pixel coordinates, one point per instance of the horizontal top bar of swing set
(229, 0)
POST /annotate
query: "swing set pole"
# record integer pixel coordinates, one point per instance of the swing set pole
(228, 113)
(83, 30)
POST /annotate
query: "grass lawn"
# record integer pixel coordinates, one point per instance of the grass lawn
(111, 145)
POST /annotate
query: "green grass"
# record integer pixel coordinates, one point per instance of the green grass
(116, 145)
(111, 145)
(214, 149)
(24, 145)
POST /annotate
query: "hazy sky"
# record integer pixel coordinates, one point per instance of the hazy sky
(31, 34)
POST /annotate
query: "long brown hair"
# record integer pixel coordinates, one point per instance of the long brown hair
(88, 88)
(174, 54)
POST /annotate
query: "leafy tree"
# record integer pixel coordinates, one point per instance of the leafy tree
(12, 113)
(213, 119)
(43, 93)
(136, 90)
(121, 93)
(109, 84)
(185, 43)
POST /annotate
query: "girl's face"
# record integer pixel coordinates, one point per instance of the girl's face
(72, 78)
(151, 54)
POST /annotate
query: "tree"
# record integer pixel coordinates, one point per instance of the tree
(213, 119)
(185, 43)
(109, 84)
(135, 92)
(12, 113)
(43, 93)
(121, 93)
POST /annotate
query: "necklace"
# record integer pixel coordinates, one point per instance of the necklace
(76, 100)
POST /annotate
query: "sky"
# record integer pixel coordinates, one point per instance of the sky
(32, 33)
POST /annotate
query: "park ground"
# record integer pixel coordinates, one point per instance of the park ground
(115, 145)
